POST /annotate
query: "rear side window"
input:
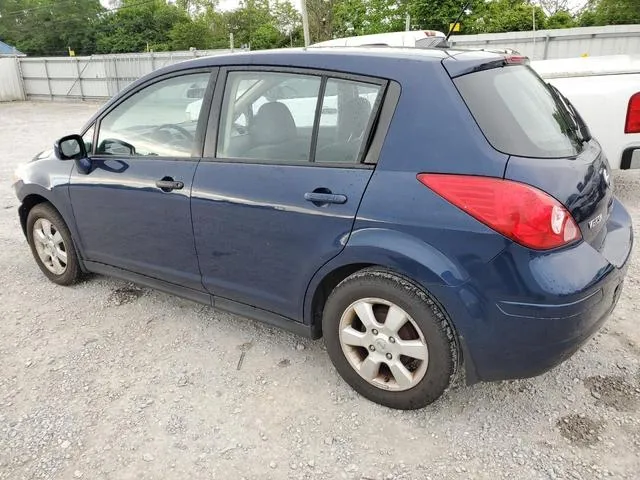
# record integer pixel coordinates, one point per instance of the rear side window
(519, 114)
(288, 117)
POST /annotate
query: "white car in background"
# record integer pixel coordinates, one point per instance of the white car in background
(413, 38)
(606, 92)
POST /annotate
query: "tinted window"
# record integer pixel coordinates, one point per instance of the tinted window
(269, 116)
(160, 120)
(519, 114)
(272, 117)
(347, 111)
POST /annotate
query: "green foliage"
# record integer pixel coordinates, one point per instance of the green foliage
(611, 12)
(194, 34)
(509, 16)
(358, 17)
(50, 27)
(139, 26)
(561, 19)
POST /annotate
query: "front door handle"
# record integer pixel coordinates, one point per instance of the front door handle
(167, 184)
(323, 198)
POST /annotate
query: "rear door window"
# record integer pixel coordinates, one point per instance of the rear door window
(519, 114)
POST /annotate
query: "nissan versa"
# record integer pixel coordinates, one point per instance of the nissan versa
(424, 210)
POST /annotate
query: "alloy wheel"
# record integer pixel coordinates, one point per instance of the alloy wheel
(383, 344)
(50, 246)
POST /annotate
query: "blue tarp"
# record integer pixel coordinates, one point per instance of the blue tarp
(9, 50)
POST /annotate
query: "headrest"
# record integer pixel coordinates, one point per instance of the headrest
(273, 124)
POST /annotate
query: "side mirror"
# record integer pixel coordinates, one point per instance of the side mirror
(72, 147)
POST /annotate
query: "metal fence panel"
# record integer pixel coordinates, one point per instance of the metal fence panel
(96, 77)
(10, 82)
(563, 43)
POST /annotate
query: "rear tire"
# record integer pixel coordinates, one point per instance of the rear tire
(389, 340)
(51, 245)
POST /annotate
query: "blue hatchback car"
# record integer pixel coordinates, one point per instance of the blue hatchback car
(424, 210)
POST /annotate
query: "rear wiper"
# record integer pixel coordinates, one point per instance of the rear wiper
(582, 129)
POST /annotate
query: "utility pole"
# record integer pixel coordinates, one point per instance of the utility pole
(305, 22)
(533, 16)
(407, 22)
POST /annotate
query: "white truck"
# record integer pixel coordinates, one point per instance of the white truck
(606, 92)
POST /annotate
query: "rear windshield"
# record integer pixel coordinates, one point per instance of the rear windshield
(519, 114)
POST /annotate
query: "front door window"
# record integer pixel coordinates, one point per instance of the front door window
(160, 120)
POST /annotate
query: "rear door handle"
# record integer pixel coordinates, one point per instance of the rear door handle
(318, 198)
(167, 184)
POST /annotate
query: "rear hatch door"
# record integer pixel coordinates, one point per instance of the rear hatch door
(549, 145)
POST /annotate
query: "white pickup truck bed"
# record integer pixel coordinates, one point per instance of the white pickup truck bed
(600, 88)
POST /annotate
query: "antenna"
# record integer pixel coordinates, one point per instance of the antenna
(466, 5)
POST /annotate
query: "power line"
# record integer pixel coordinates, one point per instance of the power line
(33, 9)
(18, 13)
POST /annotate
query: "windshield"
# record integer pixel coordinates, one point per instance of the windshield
(520, 114)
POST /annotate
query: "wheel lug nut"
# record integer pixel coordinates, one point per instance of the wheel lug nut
(392, 340)
(389, 356)
(374, 331)
(372, 348)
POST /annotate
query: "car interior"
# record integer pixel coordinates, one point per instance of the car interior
(264, 122)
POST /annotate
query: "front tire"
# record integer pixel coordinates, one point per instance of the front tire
(389, 340)
(51, 245)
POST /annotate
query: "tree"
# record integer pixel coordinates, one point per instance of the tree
(49, 27)
(364, 17)
(561, 19)
(551, 7)
(439, 14)
(193, 34)
(137, 26)
(320, 13)
(285, 17)
(611, 12)
(510, 16)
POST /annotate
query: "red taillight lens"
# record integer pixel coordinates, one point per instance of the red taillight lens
(516, 59)
(632, 125)
(516, 210)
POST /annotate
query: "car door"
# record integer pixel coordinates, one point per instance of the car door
(277, 192)
(133, 208)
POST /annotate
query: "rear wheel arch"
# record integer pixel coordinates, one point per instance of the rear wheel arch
(324, 288)
(382, 286)
(337, 275)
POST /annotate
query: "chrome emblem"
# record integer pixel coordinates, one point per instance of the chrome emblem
(596, 220)
(605, 175)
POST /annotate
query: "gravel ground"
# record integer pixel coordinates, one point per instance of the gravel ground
(108, 381)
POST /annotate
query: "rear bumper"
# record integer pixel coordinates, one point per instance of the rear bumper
(525, 312)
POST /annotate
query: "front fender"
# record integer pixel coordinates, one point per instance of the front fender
(46, 179)
(394, 250)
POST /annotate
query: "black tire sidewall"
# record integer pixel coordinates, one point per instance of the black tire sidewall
(46, 211)
(427, 315)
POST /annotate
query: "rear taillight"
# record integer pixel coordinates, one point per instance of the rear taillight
(632, 125)
(516, 59)
(518, 211)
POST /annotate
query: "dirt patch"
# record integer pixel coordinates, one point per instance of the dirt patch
(580, 429)
(123, 295)
(612, 391)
